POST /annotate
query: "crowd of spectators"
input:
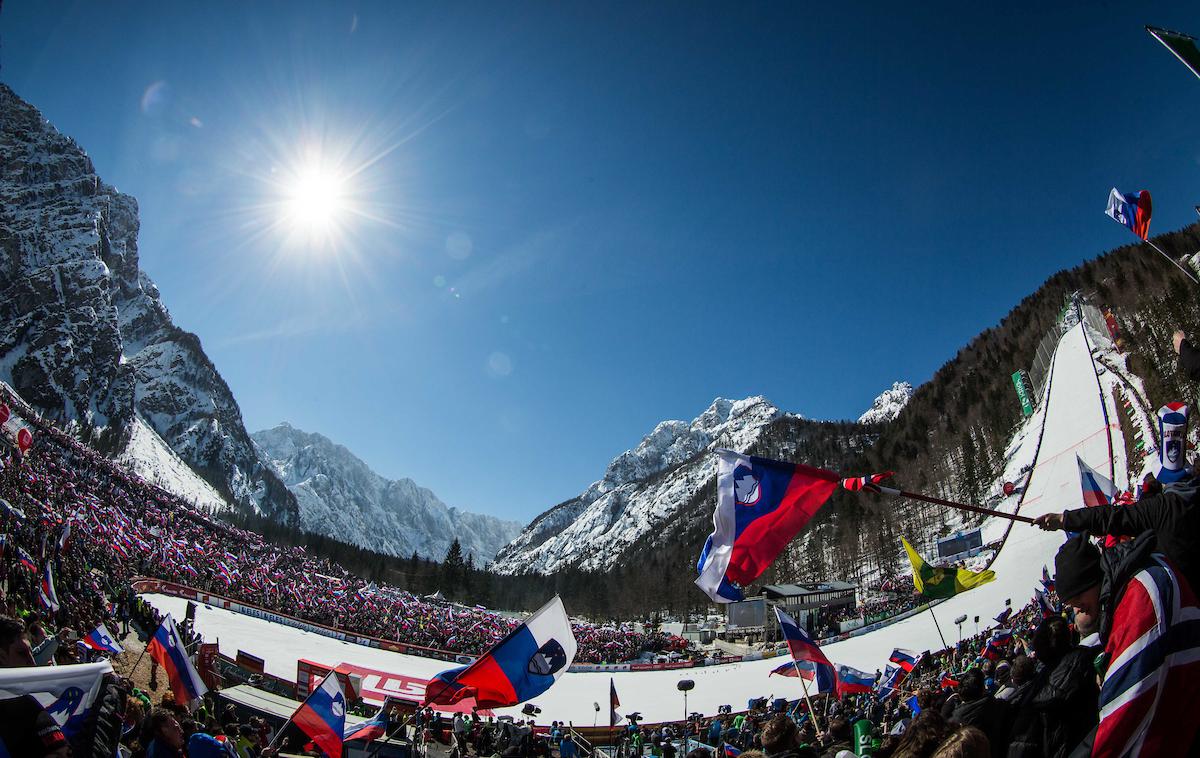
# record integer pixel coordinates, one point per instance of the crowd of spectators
(121, 527)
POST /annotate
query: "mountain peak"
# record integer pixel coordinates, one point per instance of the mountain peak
(888, 405)
(641, 489)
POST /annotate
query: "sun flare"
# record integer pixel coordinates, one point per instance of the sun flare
(315, 200)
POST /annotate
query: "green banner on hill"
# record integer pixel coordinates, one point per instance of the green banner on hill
(1021, 381)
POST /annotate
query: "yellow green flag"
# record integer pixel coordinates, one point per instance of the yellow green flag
(939, 582)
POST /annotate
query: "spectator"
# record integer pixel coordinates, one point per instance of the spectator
(162, 735)
(839, 738)
(1140, 606)
(780, 738)
(25, 726)
(979, 709)
(964, 742)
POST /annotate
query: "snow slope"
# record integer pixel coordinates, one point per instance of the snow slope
(1074, 424)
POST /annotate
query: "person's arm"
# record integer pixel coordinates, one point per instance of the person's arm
(1119, 521)
(1189, 357)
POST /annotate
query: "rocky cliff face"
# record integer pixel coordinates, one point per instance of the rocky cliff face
(888, 405)
(642, 491)
(339, 495)
(84, 336)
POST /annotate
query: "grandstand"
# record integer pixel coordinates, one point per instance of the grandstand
(283, 605)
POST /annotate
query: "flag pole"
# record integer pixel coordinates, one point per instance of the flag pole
(935, 623)
(811, 711)
(894, 492)
(144, 649)
(1176, 263)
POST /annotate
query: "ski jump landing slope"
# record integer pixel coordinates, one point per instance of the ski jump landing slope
(1073, 424)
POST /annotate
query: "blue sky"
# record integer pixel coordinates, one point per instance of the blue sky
(570, 221)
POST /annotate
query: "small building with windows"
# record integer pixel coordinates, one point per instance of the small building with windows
(753, 619)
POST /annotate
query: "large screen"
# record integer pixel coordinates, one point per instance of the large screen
(962, 542)
(746, 613)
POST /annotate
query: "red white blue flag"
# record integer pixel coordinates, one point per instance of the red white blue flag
(889, 684)
(851, 681)
(166, 648)
(26, 560)
(907, 660)
(46, 594)
(100, 639)
(1131, 210)
(761, 505)
(322, 716)
(369, 731)
(808, 660)
(520, 667)
(1097, 489)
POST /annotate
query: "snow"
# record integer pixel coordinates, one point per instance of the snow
(1074, 425)
(152, 459)
(888, 405)
(634, 498)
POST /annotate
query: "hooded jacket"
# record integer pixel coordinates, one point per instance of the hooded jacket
(1150, 628)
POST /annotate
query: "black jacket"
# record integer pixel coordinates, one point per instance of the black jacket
(1189, 361)
(989, 715)
(1060, 709)
(1173, 516)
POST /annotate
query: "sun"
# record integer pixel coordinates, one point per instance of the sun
(315, 200)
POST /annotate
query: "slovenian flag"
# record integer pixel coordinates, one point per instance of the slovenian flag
(1002, 617)
(907, 660)
(46, 594)
(948, 681)
(761, 505)
(369, 731)
(166, 648)
(889, 685)
(99, 639)
(26, 560)
(322, 716)
(520, 667)
(851, 681)
(807, 659)
(1047, 580)
(1131, 210)
(1097, 489)
(731, 751)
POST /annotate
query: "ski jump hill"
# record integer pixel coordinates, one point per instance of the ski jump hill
(1069, 421)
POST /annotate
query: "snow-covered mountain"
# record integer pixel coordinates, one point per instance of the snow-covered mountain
(86, 340)
(641, 491)
(340, 496)
(888, 405)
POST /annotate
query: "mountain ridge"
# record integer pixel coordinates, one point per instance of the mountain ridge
(338, 494)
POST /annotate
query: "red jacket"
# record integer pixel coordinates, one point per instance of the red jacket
(1150, 691)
